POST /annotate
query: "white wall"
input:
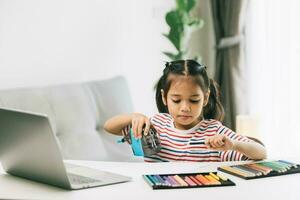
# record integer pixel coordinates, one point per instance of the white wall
(62, 41)
(52, 42)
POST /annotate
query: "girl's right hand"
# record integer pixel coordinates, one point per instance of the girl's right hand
(138, 122)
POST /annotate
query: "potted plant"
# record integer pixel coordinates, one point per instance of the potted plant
(181, 24)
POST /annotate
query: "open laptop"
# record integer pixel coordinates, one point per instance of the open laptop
(29, 149)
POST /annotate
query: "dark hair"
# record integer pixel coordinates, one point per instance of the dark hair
(213, 109)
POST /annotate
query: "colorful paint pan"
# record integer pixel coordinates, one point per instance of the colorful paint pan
(187, 180)
(262, 169)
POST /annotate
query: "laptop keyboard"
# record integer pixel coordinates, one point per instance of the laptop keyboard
(77, 179)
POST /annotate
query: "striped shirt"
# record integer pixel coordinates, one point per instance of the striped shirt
(189, 145)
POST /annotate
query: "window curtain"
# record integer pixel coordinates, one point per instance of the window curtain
(273, 52)
(228, 18)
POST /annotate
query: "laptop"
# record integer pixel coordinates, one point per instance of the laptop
(29, 149)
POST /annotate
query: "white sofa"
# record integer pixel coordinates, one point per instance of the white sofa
(77, 113)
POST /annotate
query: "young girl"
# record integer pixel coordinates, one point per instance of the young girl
(188, 123)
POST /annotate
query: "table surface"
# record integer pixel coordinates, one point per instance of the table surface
(280, 187)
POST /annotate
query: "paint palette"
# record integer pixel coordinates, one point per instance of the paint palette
(188, 180)
(262, 169)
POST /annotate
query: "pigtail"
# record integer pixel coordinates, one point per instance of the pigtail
(162, 108)
(214, 108)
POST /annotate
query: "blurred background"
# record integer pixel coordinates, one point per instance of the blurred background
(251, 48)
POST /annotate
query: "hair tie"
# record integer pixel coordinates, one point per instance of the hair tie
(167, 64)
(167, 68)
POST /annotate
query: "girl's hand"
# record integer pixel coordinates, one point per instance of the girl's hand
(219, 142)
(138, 122)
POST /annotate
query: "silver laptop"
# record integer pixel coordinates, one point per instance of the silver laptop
(28, 149)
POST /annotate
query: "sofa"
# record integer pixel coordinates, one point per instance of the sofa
(77, 113)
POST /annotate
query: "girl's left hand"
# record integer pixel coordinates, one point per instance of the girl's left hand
(219, 142)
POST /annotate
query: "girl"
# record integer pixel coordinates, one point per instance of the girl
(188, 123)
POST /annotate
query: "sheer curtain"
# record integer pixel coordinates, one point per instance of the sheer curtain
(228, 17)
(273, 64)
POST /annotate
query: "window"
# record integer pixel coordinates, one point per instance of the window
(273, 64)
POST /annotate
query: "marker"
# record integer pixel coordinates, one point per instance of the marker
(195, 180)
(244, 167)
(283, 168)
(272, 166)
(224, 178)
(215, 176)
(180, 180)
(153, 180)
(157, 182)
(203, 180)
(148, 180)
(189, 181)
(176, 183)
(162, 181)
(235, 171)
(290, 163)
(171, 182)
(212, 180)
(287, 166)
(264, 169)
(251, 174)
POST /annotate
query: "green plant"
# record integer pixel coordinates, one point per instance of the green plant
(181, 25)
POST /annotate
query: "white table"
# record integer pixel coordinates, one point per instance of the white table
(281, 187)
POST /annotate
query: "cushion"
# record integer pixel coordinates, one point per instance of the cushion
(77, 113)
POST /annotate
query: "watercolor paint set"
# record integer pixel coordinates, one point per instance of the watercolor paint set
(262, 169)
(187, 180)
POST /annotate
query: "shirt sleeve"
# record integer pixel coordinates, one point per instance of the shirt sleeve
(231, 155)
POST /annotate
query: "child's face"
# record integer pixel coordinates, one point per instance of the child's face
(185, 101)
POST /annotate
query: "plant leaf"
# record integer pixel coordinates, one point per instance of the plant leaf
(170, 55)
(181, 5)
(180, 23)
(179, 56)
(193, 21)
(175, 36)
(190, 4)
(173, 18)
(173, 56)
(185, 5)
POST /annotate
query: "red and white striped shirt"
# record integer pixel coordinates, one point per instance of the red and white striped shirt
(189, 145)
